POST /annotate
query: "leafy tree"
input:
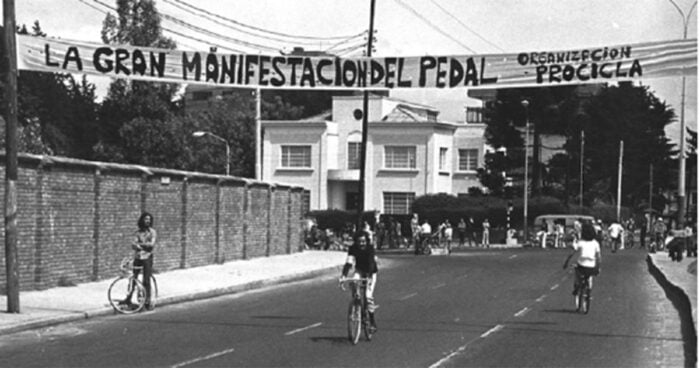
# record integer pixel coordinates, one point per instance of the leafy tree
(56, 113)
(622, 113)
(136, 23)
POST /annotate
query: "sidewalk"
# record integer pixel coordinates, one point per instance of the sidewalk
(682, 275)
(65, 304)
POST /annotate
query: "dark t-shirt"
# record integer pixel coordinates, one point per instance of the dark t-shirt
(364, 258)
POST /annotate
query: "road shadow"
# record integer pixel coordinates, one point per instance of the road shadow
(561, 311)
(333, 340)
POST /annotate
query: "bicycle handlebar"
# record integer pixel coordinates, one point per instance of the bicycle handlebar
(343, 280)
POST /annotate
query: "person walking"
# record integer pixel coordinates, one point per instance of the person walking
(462, 231)
(471, 231)
(447, 232)
(485, 233)
(143, 245)
(615, 231)
(659, 228)
(415, 230)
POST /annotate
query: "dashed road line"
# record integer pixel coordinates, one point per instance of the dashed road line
(202, 358)
(439, 286)
(522, 312)
(513, 256)
(494, 329)
(554, 287)
(540, 298)
(303, 329)
(408, 296)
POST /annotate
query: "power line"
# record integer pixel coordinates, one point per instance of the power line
(465, 26)
(257, 28)
(243, 30)
(433, 26)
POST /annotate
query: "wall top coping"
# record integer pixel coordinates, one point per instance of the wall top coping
(45, 160)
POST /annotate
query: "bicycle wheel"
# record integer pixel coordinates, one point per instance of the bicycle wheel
(126, 295)
(354, 321)
(586, 301)
(154, 292)
(366, 326)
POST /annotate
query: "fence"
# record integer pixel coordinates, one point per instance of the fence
(75, 218)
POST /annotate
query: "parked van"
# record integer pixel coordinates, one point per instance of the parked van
(550, 222)
(567, 220)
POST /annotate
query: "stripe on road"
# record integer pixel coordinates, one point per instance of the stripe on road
(303, 329)
(541, 298)
(438, 286)
(513, 256)
(554, 287)
(496, 328)
(522, 312)
(201, 359)
(408, 296)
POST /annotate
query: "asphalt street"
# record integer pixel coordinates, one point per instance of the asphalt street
(504, 308)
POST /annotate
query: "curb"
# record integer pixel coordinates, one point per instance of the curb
(683, 306)
(208, 294)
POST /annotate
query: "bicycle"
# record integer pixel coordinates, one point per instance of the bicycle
(358, 315)
(126, 286)
(582, 299)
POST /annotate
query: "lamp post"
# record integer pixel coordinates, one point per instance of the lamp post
(228, 148)
(681, 156)
(525, 104)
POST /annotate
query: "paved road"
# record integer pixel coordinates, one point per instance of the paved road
(478, 308)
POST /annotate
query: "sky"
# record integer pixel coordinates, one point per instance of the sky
(409, 28)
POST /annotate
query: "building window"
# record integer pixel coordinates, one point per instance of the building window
(443, 159)
(354, 155)
(296, 156)
(398, 203)
(352, 201)
(475, 115)
(468, 159)
(400, 157)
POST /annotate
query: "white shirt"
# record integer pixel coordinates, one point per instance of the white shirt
(615, 229)
(588, 248)
(426, 229)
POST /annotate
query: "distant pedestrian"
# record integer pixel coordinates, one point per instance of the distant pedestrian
(415, 230)
(615, 231)
(462, 231)
(485, 233)
(471, 231)
(448, 236)
(659, 228)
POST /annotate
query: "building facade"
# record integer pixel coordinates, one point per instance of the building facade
(410, 153)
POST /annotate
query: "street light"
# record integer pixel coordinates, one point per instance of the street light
(525, 104)
(681, 156)
(200, 133)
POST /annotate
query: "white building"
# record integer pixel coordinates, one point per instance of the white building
(410, 153)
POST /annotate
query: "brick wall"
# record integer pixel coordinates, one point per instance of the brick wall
(76, 219)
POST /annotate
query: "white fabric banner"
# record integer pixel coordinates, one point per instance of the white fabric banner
(540, 68)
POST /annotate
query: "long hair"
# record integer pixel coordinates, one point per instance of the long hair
(359, 234)
(142, 221)
(587, 231)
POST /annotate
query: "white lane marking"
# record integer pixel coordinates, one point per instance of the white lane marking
(513, 256)
(462, 348)
(541, 298)
(554, 287)
(496, 328)
(438, 286)
(409, 296)
(303, 329)
(522, 312)
(201, 359)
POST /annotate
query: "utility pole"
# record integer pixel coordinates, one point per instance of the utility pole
(619, 179)
(525, 104)
(10, 73)
(580, 182)
(258, 134)
(681, 155)
(365, 125)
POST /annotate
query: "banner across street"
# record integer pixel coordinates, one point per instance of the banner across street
(537, 68)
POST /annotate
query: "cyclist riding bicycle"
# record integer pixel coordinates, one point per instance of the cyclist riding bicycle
(361, 255)
(588, 249)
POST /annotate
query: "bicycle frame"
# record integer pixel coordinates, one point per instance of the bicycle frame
(358, 319)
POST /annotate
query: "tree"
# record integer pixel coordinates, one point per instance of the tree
(136, 23)
(616, 113)
(56, 113)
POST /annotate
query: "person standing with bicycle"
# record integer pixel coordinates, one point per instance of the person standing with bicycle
(588, 261)
(361, 255)
(143, 245)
